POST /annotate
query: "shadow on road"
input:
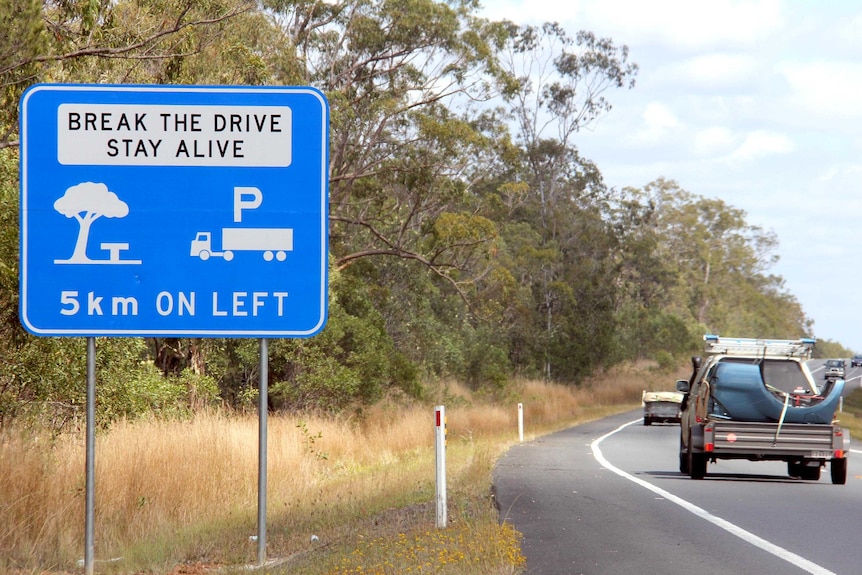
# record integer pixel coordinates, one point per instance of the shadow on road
(728, 477)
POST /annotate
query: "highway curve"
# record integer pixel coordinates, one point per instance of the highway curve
(607, 498)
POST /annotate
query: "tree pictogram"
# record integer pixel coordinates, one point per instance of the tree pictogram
(87, 202)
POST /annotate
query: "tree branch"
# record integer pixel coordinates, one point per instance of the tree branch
(125, 51)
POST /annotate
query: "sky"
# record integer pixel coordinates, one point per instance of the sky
(754, 102)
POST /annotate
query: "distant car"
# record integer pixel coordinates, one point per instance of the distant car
(661, 406)
(856, 361)
(834, 369)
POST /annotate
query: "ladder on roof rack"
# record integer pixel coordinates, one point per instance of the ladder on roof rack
(752, 347)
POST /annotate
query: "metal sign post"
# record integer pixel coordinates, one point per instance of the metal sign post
(90, 462)
(263, 413)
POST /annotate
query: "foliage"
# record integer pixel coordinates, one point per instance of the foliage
(826, 349)
(853, 402)
(23, 40)
(695, 264)
(47, 384)
(10, 329)
(469, 237)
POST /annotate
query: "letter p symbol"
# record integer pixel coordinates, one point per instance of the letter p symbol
(245, 198)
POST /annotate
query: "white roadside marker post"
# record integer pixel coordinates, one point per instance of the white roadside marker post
(521, 422)
(440, 448)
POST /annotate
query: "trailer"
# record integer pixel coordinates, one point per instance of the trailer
(806, 447)
(274, 243)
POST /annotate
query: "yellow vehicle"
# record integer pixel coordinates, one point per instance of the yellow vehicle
(661, 406)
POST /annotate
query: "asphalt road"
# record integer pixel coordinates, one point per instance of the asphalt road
(607, 498)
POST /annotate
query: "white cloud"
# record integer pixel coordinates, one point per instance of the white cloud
(828, 89)
(761, 143)
(687, 24)
(839, 185)
(678, 23)
(659, 120)
(715, 70)
(715, 140)
(851, 30)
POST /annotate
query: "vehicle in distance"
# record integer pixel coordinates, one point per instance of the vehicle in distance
(756, 399)
(834, 369)
(661, 406)
(856, 360)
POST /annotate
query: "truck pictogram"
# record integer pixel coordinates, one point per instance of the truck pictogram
(273, 242)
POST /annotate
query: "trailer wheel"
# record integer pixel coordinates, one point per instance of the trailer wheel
(647, 420)
(696, 464)
(683, 457)
(838, 469)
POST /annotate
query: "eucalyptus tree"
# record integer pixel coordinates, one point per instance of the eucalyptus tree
(718, 266)
(555, 85)
(398, 150)
(645, 280)
(406, 145)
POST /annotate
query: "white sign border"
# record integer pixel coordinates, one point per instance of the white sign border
(230, 333)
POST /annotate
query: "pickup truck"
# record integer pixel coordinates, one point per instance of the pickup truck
(756, 399)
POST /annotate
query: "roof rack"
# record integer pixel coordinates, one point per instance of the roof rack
(751, 347)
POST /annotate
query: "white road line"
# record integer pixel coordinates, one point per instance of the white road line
(746, 536)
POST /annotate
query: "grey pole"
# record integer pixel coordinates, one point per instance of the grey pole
(89, 545)
(263, 406)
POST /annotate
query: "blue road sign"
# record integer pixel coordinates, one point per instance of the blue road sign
(186, 211)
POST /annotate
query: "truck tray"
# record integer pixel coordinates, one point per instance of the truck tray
(767, 440)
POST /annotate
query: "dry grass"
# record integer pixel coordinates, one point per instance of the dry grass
(172, 493)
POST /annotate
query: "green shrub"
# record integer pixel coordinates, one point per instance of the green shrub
(665, 361)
